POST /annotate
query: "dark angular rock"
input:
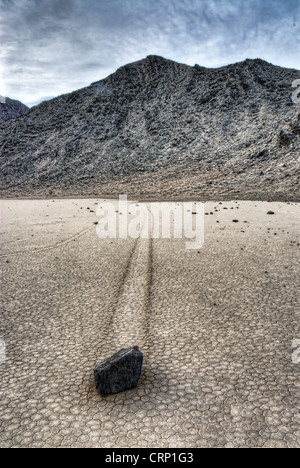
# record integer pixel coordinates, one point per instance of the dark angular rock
(270, 213)
(120, 372)
(284, 139)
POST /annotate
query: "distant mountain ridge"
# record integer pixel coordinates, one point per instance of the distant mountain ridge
(157, 128)
(11, 109)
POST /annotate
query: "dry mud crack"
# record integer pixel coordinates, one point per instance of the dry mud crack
(216, 327)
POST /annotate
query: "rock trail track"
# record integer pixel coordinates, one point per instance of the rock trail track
(129, 324)
(216, 328)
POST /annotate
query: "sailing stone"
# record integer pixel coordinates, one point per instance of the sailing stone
(120, 372)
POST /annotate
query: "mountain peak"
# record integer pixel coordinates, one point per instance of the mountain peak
(153, 61)
(11, 109)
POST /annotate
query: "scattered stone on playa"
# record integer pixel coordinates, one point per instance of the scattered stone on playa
(235, 221)
(120, 372)
(270, 213)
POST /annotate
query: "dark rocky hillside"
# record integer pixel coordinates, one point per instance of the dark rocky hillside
(156, 128)
(11, 109)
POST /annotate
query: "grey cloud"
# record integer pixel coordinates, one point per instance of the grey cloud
(53, 46)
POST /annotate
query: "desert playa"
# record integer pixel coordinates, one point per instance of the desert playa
(216, 327)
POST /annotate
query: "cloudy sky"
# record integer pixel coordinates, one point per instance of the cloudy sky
(50, 47)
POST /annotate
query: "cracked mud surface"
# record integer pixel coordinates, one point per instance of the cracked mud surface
(216, 328)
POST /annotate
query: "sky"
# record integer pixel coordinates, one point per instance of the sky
(51, 47)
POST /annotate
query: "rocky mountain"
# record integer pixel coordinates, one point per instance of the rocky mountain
(157, 128)
(11, 109)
